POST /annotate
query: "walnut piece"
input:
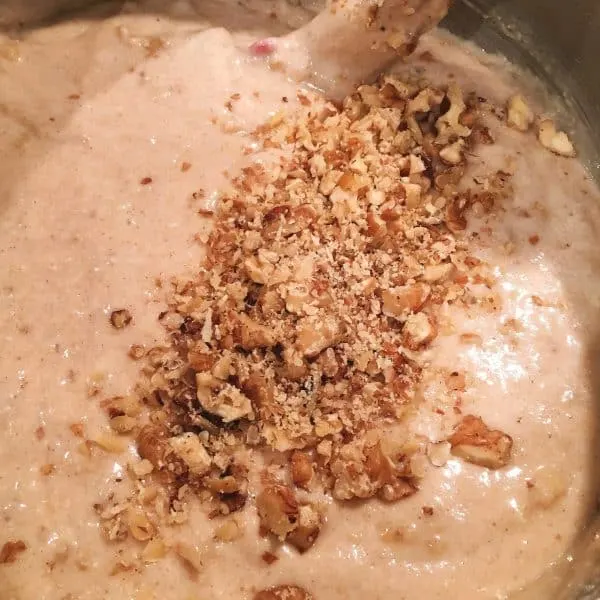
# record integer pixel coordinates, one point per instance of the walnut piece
(189, 448)
(453, 153)
(302, 470)
(254, 335)
(121, 318)
(305, 330)
(140, 526)
(229, 403)
(228, 531)
(306, 532)
(111, 443)
(278, 510)
(315, 335)
(554, 140)
(546, 487)
(11, 550)
(476, 443)
(518, 114)
(449, 125)
(365, 471)
(190, 556)
(283, 592)
(153, 446)
(400, 301)
(122, 424)
(419, 330)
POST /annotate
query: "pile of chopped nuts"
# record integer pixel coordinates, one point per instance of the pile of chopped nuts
(305, 335)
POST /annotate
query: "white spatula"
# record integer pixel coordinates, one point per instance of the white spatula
(351, 40)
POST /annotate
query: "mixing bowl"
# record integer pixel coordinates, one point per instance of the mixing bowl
(556, 42)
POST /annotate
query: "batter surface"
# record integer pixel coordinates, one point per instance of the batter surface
(112, 128)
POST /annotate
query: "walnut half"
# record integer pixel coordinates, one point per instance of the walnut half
(476, 443)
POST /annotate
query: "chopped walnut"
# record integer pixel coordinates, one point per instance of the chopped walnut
(554, 140)
(258, 270)
(142, 468)
(189, 448)
(519, 115)
(302, 470)
(305, 534)
(419, 330)
(315, 335)
(137, 352)
(449, 125)
(363, 471)
(153, 446)
(120, 319)
(401, 301)
(228, 531)
(283, 592)
(278, 510)
(11, 550)
(123, 424)
(453, 153)
(440, 272)
(110, 443)
(254, 335)
(475, 442)
(140, 526)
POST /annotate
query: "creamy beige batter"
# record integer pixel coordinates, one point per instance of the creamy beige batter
(86, 114)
